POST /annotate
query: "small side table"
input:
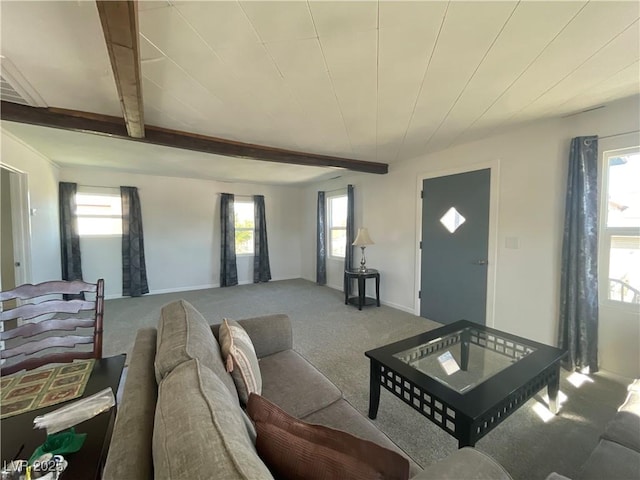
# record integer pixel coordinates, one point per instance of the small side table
(18, 433)
(361, 299)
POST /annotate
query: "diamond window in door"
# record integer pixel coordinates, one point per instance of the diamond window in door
(452, 220)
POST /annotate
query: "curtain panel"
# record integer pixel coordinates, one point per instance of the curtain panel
(321, 243)
(134, 269)
(228, 268)
(71, 261)
(579, 275)
(348, 256)
(261, 269)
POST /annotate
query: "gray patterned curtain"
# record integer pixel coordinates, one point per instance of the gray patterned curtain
(261, 269)
(348, 257)
(134, 269)
(69, 237)
(228, 268)
(579, 277)
(321, 244)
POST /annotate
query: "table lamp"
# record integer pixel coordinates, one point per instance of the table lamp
(362, 240)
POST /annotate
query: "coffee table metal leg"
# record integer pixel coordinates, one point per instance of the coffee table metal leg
(464, 357)
(374, 389)
(553, 387)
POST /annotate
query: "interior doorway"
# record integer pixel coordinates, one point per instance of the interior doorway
(457, 238)
(15, 267)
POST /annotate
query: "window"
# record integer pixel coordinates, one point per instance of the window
(337, 221)
(620, 258)
(244, 223)
(99, 213)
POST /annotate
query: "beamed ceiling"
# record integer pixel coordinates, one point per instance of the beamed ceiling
(240, 86)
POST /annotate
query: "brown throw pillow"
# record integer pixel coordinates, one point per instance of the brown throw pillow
(293, 449)
(240, 358)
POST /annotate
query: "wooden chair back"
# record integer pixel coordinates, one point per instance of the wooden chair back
(58, 315)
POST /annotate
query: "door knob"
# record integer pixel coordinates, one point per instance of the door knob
(17, 264)
(481, 262)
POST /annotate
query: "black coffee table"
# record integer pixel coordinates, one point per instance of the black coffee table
(464, 377)
(18, 432)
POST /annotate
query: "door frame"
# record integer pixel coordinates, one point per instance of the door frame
(21, 220)
(492, 253)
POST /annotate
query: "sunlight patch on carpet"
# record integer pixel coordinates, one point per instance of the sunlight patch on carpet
(542, 409)
(578, 379)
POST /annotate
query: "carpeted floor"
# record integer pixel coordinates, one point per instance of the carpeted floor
(334, 337)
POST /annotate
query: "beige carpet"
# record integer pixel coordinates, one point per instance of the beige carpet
(334, 337)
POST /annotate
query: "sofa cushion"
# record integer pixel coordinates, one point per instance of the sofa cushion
(183, 335)
(199, 430)
(296, 386)
(624, 429)
(269, 333)
(240, 359)
(556, 476)
(632, 402)
(611, 460)
(130, 455)
(294, 449)
(343, 416)
(467, 463)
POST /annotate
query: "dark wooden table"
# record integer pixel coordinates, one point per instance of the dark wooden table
(17, 432)
(467, 411)
(361, 299)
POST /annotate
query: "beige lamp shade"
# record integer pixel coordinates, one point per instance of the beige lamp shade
(362, 238)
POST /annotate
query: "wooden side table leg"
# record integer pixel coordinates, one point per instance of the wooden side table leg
(378, 288)
(346, 288)
(361, 289)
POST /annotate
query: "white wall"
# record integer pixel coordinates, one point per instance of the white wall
(532, 178)
(181, 222)
(42, 175)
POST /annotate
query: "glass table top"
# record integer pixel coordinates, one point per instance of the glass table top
(463, 359)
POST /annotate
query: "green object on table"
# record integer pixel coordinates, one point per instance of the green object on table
(67, 441)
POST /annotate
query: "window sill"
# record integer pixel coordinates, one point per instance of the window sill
(101, 235)
(631, 308)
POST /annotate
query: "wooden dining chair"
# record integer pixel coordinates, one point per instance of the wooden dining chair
(33, 327)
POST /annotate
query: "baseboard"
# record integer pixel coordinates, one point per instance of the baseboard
(185, 289)
(167, 290)
(382, 302)
(189, 288)
(398, 307)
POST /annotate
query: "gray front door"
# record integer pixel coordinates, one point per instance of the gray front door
(455, 242)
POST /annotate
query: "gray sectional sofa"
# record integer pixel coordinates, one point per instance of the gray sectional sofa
(180, 417)
(617, 455)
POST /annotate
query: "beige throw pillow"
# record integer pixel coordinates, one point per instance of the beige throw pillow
(240, 358)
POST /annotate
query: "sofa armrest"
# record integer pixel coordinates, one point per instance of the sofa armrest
(467, 463)
(269, 333)
(130, 454)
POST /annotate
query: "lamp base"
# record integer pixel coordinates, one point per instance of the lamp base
(363, 260)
